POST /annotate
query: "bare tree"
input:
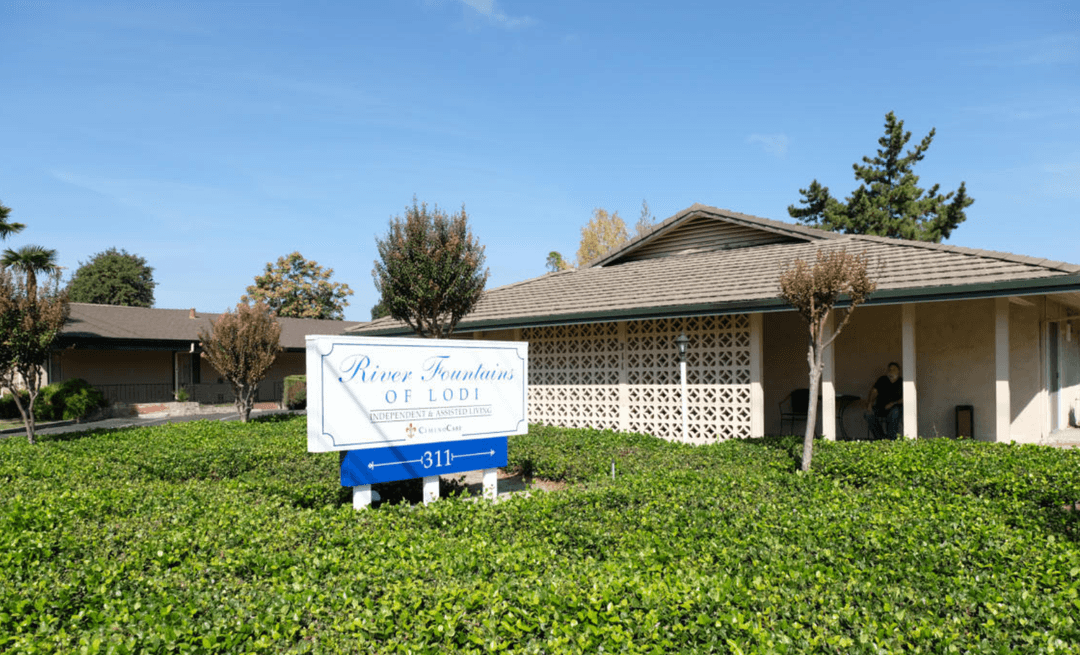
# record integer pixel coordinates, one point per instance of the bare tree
(814, 291)
(31, 318)
(646, 221)
(241, 345)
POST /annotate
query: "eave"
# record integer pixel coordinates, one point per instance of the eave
(1032, 287)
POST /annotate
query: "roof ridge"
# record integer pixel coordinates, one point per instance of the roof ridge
(768, 224)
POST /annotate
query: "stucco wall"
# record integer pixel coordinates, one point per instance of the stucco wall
(117, 366)
(1026, 364)
(784, 365)
(287, 363)
(1070, 374)
(955, 365)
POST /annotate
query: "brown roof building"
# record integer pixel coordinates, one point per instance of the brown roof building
(990, 331)
(138, 354)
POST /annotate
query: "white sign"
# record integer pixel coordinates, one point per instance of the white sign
(374, 392)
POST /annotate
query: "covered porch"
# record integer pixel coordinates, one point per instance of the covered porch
(1013, 360)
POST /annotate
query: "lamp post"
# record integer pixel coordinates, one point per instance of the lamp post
(681, 342)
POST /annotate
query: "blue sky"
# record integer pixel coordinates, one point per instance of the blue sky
(211, 138)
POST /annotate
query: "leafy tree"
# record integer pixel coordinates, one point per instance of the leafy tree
(379, 310)
(645, 221)
(430, 269)
(30, 260)
(556, 263)
(888, 202)
(297, 288)
(603, 233)
(813, 290)
(30, 321)
(241, 345)
(113, 277)
(7, 229)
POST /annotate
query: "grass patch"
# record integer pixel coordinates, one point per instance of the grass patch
(214, 537)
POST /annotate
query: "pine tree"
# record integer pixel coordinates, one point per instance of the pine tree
(556, 263)
(888, 201)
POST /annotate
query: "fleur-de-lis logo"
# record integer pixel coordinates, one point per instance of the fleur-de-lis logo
(410, 431)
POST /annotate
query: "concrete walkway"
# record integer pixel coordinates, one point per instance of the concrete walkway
(1066, 438)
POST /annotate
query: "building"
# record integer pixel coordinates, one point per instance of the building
(996, 332)
(138, 354)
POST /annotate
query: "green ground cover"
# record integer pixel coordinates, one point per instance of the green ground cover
(230, 538)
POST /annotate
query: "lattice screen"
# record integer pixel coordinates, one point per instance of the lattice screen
(574, 375)
(626, 376)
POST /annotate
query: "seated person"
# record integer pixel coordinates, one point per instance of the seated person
(885, 400)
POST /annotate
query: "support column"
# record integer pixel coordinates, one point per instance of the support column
(491, 483)
(1002, 397)
(362, 496)
(911, 400)
(828, 387)
(624, 387)
(757, 393)
(431, 489)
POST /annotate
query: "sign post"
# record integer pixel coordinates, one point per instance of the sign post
(415, 408)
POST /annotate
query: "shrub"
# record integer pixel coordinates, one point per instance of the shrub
(71, 399)
(211, 537)
(8, 409)
(44, 410)
(295, 392)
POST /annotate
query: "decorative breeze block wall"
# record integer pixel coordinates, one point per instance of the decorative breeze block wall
(625, 376)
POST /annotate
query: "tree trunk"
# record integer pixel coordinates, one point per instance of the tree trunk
(27, 415)
(816, 364)
(244, 399)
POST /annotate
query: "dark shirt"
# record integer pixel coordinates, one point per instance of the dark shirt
(887, 392)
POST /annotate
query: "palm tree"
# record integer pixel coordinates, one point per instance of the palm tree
(30, 260)
(6, 228)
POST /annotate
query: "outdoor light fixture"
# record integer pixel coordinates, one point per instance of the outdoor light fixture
(682, 341)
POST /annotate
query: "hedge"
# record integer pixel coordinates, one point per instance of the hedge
(295, 392)
(229, 538)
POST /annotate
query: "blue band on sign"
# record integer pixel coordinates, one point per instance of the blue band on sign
(373, 465)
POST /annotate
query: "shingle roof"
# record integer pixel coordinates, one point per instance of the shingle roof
(113, 322)
(746, 278)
